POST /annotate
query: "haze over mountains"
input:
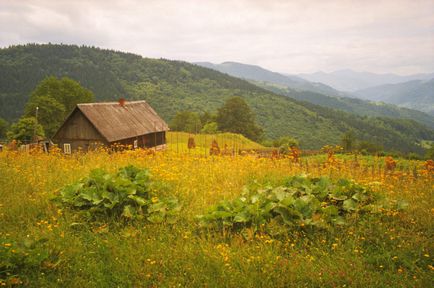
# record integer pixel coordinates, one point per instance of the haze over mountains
(318, 93)
(411, 91)
(351, 81)
(257, 73)
(415, 94)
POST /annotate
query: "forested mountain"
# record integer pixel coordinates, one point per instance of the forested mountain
(416, 94)
(171, 86)
(257, 73)
(316, 93)
(349, 80)
(352, 105)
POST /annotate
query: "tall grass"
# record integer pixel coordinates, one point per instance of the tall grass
(393, 249)
(178, 142)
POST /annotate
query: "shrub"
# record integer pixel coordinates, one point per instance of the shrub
(300, 202)
(129, 193)
(210, 128)
(284, 144)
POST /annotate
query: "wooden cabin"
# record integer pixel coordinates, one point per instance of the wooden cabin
(91, 125)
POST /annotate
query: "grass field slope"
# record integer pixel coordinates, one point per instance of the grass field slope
(178, 141)
(274, 233)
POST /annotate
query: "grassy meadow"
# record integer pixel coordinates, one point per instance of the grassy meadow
(44, 244)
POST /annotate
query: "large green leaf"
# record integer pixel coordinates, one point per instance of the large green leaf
(288, 201)
(280, 193)
(289, 215)
(159, 206)
(349, 205)
(69, 193)
(91, 194)
(338, 197)
(157, 217)
(242, 217)
(139, 200)
(269, 206)
(330, 210)
(339, 220)
(129, 211)
(221, 214)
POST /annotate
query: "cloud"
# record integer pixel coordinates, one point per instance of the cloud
(287, 36)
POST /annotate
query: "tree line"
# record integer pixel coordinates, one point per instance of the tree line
(233, 116)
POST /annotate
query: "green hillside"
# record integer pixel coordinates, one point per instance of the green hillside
(416, 94)
(351, 105)
(171, 86)
(320, 94)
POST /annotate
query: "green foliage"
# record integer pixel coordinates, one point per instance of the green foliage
(301, 202)
(210, 128)
(430, 153)
(129, 193)
(65, 91)
(19, 257)
(51, 113)
(285, 143)
(25, 130)
(415, 94)
(207, 117)
(351, 105)
(236, 116)
(267, 143)
(369, 148)
(413, 156)
(56, 98)
(392, 134)
(3, 127)
(186, 121)
(348, 141)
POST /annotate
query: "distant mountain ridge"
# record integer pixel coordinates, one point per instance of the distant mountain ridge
(415, 94)
(351, 81)
(316, 93)
(257, 73)
(352, 105)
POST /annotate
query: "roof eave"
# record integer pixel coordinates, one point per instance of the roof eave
(116, 140)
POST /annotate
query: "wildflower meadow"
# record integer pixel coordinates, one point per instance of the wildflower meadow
(185, 218)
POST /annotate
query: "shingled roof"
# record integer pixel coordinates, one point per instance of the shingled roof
(116, 122)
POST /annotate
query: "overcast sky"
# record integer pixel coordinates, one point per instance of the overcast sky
(287, 36)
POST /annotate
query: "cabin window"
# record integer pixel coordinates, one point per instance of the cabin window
(67, 148)
(135, 145)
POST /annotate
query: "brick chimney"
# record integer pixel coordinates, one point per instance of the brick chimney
(122, 101)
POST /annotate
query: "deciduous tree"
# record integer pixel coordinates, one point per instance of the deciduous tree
(56, 98)
(25, 129)
(51, 113)
(186, 121)
(237, 117)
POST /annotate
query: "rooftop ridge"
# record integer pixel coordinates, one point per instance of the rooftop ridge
(111, 103)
